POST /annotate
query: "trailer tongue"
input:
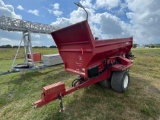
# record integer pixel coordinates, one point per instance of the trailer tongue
(93, 60)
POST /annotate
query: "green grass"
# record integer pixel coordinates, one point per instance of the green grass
(141, 101)
(9, 53)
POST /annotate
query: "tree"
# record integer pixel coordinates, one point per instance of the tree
(43, 47)
(135, 45)
(15, 46)
(6, 46)
(52, 46)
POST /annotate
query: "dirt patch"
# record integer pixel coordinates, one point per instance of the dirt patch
(153, 89)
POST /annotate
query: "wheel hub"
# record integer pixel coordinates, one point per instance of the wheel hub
(125, 83)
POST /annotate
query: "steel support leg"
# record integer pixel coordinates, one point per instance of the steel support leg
(61, 103)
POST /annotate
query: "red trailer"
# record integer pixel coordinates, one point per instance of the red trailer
(93, 60)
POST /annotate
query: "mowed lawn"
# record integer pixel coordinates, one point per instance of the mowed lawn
(142, 100)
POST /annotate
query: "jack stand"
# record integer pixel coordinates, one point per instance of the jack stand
(61, 103)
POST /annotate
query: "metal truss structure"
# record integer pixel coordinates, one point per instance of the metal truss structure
(26, 27)
(13, 24)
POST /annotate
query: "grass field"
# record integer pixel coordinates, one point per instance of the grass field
(141, 101)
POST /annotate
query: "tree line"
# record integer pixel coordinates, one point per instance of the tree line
(53, 46)
(153, 46)
(16, 46)
(147, 45)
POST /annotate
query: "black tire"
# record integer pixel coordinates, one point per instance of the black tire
(120, 81)
(105, 83)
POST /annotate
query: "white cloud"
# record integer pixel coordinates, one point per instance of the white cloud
(6, 41)
(12, 38)
(49, 36)
(57, 13)
(87, 3)
(42, 40)
(108, 4)
(8, 10)
(143, 24)
(62, 22)
(77, 15)
(145, 19)
(36, 35)
(103, 25)
(34, 12)
(5, 36)
(20, 7)
(55, 10)
(110, 24)
(56, 6)
(49, 10)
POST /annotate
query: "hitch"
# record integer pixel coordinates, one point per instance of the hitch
(50, 93)
(60, 103)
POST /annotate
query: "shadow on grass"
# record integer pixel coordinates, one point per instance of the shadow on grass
(94, 103)
(23, 85)
(103, 103)
(29, 75)
(80, 105)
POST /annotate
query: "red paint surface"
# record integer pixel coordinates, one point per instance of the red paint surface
(80, 52)
(36, 57)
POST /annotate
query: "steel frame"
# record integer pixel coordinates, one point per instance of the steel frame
(13, 24)
(26, 27)
(83, 55)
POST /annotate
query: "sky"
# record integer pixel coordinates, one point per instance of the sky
(107, 18)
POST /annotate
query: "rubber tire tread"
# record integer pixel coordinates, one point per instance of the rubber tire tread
(105, 83)
(117, 81)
